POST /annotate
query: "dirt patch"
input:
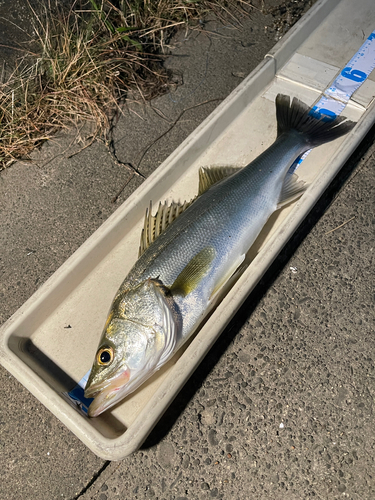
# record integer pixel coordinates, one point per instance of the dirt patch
(286, 14)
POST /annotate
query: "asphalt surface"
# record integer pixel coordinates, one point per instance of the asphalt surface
(282, 407)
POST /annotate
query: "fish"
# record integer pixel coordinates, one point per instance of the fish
(190, 250)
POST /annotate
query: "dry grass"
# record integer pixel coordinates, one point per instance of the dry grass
(82, 63)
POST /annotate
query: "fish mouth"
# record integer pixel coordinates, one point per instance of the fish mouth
(106, 395)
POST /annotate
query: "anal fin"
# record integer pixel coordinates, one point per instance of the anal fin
(292, 189)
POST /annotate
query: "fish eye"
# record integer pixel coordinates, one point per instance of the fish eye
(104, 356)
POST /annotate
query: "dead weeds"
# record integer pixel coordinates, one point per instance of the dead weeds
(83, 61)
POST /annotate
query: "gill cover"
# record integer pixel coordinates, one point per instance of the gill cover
(139, 336)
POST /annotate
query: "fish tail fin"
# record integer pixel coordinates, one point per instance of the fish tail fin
(296, 116)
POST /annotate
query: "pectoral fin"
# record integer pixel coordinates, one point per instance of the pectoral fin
(193, 272)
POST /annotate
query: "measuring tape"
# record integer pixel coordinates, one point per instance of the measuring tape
(336, 97)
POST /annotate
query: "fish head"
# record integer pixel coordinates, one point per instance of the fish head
(139, 335)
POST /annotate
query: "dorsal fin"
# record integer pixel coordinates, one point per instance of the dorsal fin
(156, 224)
(208, 176)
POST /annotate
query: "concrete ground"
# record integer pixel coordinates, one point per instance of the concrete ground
(282, 407)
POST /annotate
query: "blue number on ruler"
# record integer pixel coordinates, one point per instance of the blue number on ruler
(317, 112)
(353, 74)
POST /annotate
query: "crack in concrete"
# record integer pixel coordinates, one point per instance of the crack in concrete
(92, 481)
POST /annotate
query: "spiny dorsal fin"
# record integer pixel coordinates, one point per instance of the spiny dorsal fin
(190, 277)
(208, 176)
(156, 224)
(292, 189)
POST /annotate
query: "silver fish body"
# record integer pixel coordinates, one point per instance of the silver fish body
(227, 218)
(191, 260)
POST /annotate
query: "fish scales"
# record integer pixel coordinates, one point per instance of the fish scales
(175, 281)
(228, 218)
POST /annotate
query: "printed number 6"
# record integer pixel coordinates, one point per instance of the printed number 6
(353, 74)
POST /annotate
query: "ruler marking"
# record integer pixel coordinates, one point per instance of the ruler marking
(337, 95)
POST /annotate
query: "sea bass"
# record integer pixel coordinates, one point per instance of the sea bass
(189, 251)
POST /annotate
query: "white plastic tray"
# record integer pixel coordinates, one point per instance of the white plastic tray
(34, 345)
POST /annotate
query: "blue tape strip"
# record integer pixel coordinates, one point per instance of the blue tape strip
(76, 397)
(336, 97)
